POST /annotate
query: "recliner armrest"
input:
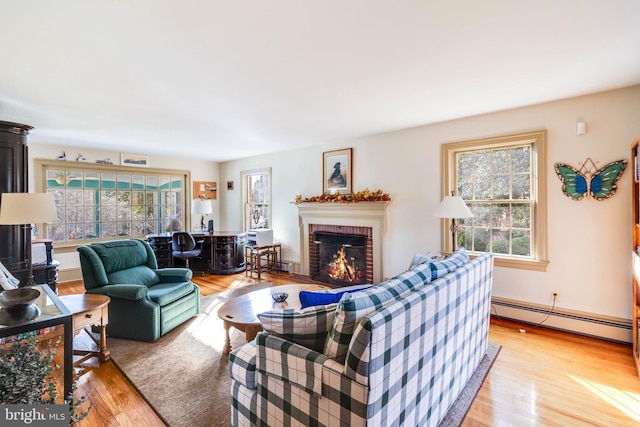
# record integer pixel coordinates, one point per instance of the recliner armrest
(127, 291)
(170, 275)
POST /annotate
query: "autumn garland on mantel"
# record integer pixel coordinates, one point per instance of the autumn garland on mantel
(361, 196)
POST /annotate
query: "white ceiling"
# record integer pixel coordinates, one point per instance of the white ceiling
(229, 79)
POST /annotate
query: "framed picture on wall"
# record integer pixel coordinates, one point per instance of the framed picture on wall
(336, 171)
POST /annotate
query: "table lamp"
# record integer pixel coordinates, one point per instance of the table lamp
(453, 207)
(27, 209)
(201, 207)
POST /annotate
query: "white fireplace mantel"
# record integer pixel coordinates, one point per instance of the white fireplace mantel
(361, 214)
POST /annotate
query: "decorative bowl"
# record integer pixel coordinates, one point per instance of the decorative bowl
(18, 299)
(279, 296)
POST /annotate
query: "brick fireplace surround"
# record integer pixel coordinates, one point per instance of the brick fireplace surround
(362, 214)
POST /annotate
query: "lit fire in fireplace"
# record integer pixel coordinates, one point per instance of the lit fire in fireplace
(343, 268)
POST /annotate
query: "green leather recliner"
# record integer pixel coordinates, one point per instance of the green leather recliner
(146, 302)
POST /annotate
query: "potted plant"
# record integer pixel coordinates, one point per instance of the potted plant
(27, 369)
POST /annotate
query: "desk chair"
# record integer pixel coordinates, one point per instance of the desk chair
(184, 246)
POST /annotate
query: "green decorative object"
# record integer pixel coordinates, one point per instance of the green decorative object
(600, 184)
(26, 375)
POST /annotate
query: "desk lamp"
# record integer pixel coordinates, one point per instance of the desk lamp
(27, 209)
(201, 207)
(453, 207)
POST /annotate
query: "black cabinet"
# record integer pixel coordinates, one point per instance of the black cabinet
(161, 245)
(13, 179)
(222, 252)
(43, 274)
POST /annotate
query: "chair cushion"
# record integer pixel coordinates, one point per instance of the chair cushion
(186, 254)
(166, 293)
(141, 275)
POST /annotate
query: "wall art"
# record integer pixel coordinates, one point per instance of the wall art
(336, 171)
(590, 181)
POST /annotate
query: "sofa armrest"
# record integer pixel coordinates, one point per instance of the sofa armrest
(171, 275)
(290, 362)
(242, 365)
(124, 291)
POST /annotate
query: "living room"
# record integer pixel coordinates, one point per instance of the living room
(588, 241)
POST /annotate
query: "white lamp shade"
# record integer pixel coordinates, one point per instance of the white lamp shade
(453, 207)
(27, 208)
(201, 207)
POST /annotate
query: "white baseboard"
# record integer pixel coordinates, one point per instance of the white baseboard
(605, 327)
(69, 275)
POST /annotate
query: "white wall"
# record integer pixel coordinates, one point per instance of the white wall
(589, 241)
(200, 171)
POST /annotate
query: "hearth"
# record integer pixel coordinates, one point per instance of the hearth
(338, 258)
(349, 218)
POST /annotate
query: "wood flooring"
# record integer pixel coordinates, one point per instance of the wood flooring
(542, 377)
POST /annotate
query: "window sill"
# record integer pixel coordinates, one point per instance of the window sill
(522, 264)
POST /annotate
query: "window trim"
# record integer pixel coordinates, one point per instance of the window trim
(245, 193)
(40, 166)
(539, 260)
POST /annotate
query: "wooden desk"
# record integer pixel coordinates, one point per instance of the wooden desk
(222, 251)
(87, 310)
(255, 254)
(242, 312)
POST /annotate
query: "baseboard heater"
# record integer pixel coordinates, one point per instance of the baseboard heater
(588, 324)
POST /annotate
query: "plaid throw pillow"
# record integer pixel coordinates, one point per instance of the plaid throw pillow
(307, 327)
(449, 264)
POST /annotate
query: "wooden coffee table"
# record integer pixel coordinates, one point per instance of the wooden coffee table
(242, 312)
(89, 309)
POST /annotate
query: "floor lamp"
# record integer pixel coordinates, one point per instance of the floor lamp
(453, 207)
(27, 209)
(201, 207)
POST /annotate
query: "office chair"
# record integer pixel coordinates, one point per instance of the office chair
(184, 246)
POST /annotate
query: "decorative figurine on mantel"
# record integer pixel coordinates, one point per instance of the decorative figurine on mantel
(81, 158)
(63, 156)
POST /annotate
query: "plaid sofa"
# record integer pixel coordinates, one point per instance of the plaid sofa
(410, 345)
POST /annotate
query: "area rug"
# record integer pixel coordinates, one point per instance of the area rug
(461, 406)
(184, 375)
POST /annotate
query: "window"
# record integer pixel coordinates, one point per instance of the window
(503, 182)
(257, 186)
(104, 201)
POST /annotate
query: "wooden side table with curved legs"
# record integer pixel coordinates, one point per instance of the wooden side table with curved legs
(89, 310)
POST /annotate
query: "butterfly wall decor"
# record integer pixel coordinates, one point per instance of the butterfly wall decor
(601, 184)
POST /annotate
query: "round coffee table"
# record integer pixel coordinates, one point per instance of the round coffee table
(242, 312)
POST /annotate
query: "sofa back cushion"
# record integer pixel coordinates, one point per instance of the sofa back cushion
(112, 262)
(121, 254)
(456, 260)
(354, 306)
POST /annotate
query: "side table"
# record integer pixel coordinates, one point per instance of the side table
(87, 310)
(255, 254)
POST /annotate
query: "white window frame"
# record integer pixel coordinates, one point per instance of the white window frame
(538, 260)
(247, 221)
(41, 166)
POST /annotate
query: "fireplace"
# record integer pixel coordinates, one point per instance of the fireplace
(364, 218)
(339, 258)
